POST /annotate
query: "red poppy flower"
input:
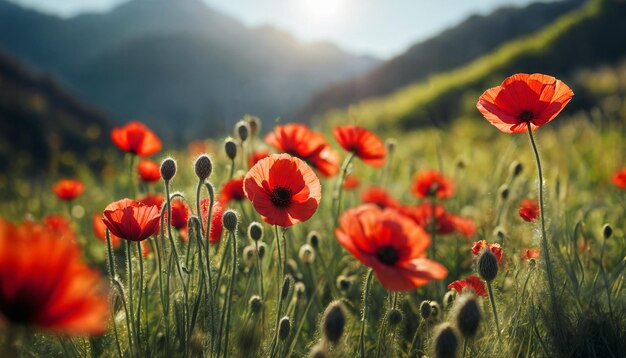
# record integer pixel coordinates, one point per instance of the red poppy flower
(351, 182)
(152, 200)
(256, 156)
(300, 141)
(529, 210)
(471, 283)
(136, 138)
(60, 226)
(522, 98)
(464, 226)
(99, 229)
(68, 189)
(149, 171)
(131, 220)
(528, 254)
(180, 214)
(496, 249)
(619, 178)
(380, 197)
(283, 189)
(363, 143)
(422, 215)
(216, 219)
(232, 190)
(431, 183)
(43, 283)
(391, 244)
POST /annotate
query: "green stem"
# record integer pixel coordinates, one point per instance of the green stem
(131, 182)
(339, 188)
(141, 288)
(366, 290)
(232, 286)
(281, 270)
(493, 307)
(130, 284)
(112, 277)
(232, 169)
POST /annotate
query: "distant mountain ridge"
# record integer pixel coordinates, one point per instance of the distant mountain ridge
(176, 64)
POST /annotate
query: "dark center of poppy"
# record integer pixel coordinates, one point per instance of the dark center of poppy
(526, 116)
(387, 255)
(281, 196)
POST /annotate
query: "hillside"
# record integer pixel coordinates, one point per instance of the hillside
(586, 34)
(178, 65)
(474, 37)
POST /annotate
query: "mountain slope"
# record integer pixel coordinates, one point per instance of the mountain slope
(176, 64)
(454, 47)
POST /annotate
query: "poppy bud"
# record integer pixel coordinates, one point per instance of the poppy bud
(343, 283)
(391, 144)
(203, 167)
(284, 328)
(243, 129)
(516, 169)
(286, 286)
(231, 148)
(448, 298)
(255, 304)
(299, 289)
(504, 192)
(168, 169)
(254, 123)
(607, 231)
(499, 233)
(434, 310)
(394, 317)
(306, 254)
(255, 231)
(313, 239)
(248, 255)
(230, 220)
(446, 341)
(425, 310)
(292, 269)
(334, 321)
(467, 315)
(319, 351)
(261, 250)
(487, 265)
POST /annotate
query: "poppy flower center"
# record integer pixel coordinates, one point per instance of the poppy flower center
(387, 255)
(526, 116)
(281, 196)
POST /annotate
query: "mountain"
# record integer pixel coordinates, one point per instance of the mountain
(178, 65)
(42, 126)
(456, 46)
(584, 38)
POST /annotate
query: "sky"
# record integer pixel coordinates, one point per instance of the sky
(380, 28)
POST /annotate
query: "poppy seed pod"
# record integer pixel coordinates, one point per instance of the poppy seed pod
(434, 310)
(254, 123)
(607, 231)
(425, 310)
(284, 328)
(504, 191)
(394, 317)
(306, 254)
(448, 298)
(487, 265)
(255, 303)
(203, 166)
(343, 283)
(467, 315)
(248, 255)
(334, 321)
(261, 250)
(516, 169)
(255, 231)
(168, 169)
(313, 239)
(446, 341)
(230, 220)
(243, 129)
(286, 286)
(230, 147)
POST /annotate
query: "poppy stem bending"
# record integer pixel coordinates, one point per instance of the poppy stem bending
(366, 291)
(339, 189)
(493, 307)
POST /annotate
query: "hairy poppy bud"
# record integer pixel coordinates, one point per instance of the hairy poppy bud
(434, 310)
(446, 341)
(243, 129)
(203, 166)
(313, 239)
(255, 231)
(168, 169)
(343, 283)
(284, 328)
(306, 254)
(286, 286)
(261, 250)
(230, 147)
(299, 288)
(487, 265)
(319, 351)
(230, 220)
(255, 303)
(607, 231)
(425, 310)
(448, 298)
(467, 315)
(334, 321)
(394, 317)
(254, 123)
(248, 255)
(516, 169)
(292, 269)
(504, 192)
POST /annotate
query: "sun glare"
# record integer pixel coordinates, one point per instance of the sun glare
(323, 10)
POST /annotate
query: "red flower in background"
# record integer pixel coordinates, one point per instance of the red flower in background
(471, 283)
(180, 214)
(529, 210)
(43, 283)
(68, 189)
(256, 156)
(232, 190)
(131, 220)
(528, 254)
(136, 138)
(152, 200)
(380, 197)
(99, 229)
(149, 171)
(60, 226)
(363, 143)
(217, 212)
(522, 98)
(390, 244)
(283, 189)
(431, 183)
(300, 141)
(619, 178)
(351, 182)
(496, 249)
(422, 215)
(464, 226)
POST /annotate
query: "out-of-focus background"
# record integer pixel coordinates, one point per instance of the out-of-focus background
(70, 70)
